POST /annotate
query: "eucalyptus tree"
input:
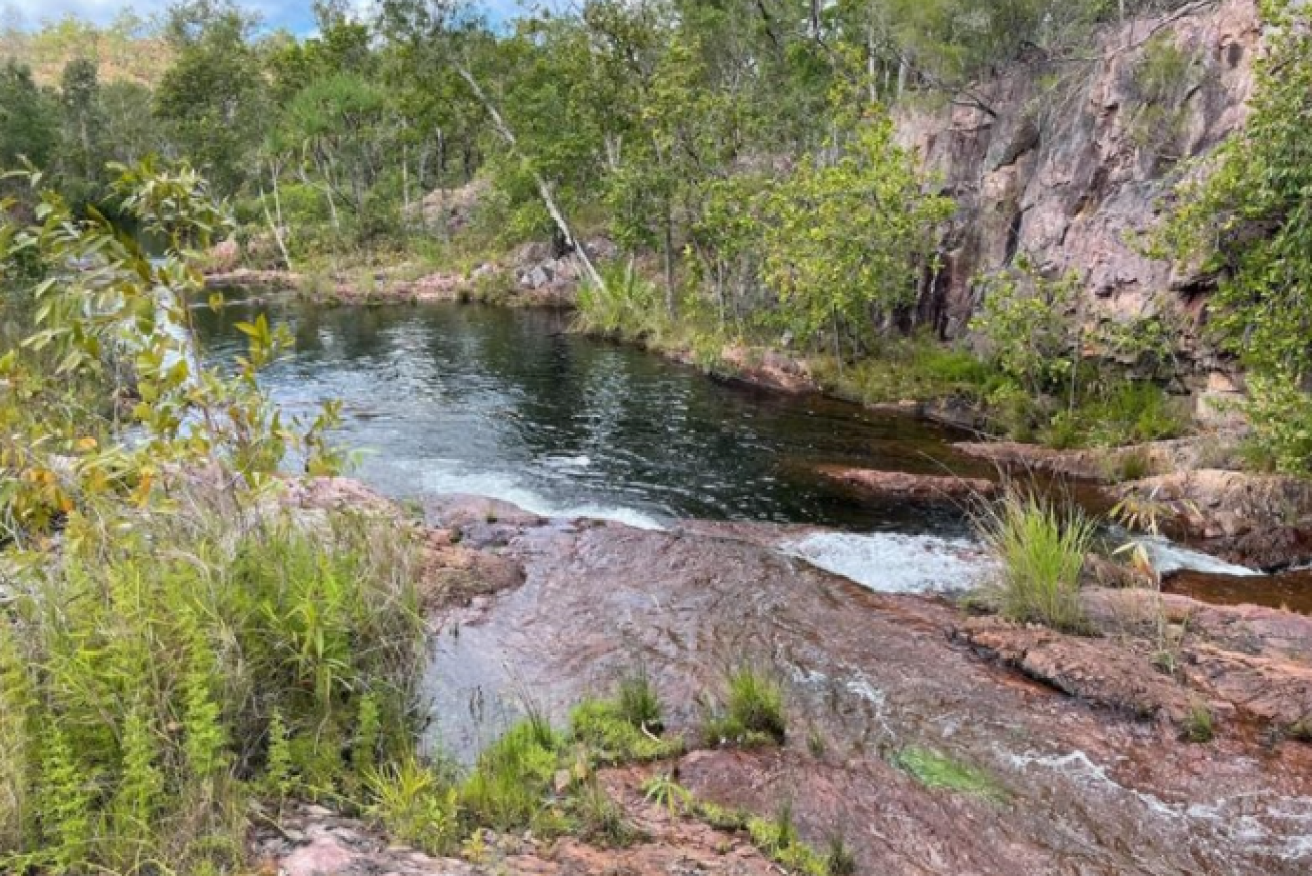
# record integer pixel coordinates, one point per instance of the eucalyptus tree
(79, 96)
(214, 98)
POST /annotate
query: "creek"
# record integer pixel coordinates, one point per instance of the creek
(509, 404)
(721, 488)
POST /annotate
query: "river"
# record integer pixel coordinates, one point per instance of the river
(509, 404)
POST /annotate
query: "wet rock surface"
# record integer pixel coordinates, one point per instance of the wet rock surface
(912, 486)
(1086, 783)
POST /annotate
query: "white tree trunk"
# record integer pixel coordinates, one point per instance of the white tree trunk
(544, 188)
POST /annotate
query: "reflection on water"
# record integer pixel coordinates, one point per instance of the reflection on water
(508, 404)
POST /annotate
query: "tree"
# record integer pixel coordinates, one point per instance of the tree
(847, 238)
(213, 97)
(1245, 216)
(79, 94)
(27, 119)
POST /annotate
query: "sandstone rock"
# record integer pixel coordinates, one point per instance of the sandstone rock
(769, 369)
(895, 484)
(1263, 521)
(1073, 187)
(870, 675)
(325, 856)
(224, 256)
(1092, 670)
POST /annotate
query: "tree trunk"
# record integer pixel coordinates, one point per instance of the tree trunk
(669, 260)
(544, 189)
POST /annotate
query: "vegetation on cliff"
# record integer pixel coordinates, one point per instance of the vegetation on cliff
(1246, 214)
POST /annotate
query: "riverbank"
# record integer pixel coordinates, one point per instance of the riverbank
(928, 741)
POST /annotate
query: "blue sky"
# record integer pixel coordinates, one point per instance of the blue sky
(294, 15)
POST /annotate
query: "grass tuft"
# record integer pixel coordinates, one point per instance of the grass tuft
(753, 711)
(508, 787)
(624, 729)
(1040, 550)
(1199, 726)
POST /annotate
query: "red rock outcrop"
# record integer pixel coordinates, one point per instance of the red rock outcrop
(1070, 172)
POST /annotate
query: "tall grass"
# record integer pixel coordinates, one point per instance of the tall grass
(1040, 549)
(629, 305)
(166, 667)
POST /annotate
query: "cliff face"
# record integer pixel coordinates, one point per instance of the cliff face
(1068, 165)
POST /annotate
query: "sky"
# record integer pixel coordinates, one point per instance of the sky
(294, 15)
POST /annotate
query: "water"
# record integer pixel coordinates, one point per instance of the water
(508, 404)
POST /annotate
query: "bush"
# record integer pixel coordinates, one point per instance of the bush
(1281, 417)
(416, 806)
(629, 306)
(1040, 550)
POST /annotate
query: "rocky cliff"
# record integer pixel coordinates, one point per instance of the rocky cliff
(1067, 163)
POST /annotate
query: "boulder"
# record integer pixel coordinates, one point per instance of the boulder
(904, 485)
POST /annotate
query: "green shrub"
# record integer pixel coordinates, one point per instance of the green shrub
(629, 306)
(415, 805)
(173, 663)
(1280, 414)
(1130, 412)
(1040, 550)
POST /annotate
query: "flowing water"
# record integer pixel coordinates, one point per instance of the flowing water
(509, 404)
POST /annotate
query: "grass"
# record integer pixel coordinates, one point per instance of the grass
(1199, 726)
(509, 784)
(638, 703)
(753, 711)
(166, 670)
(416, 805)
(920, 368)
(598, 819)
(1040, 550)
(624, 729)
(1133, 466)
(1126, 412)
(937, 771)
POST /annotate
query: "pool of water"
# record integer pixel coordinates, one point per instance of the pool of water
(449, 398)
(509, 404)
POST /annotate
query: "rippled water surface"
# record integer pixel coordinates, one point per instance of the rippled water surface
(507, 403)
